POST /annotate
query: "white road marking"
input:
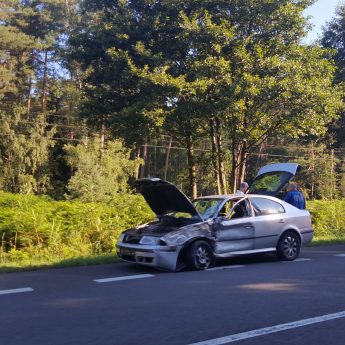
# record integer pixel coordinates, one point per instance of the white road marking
(7, 292)
(116, 279)
(339, 255)
(224, 267)
(269, 330)
(297, 260)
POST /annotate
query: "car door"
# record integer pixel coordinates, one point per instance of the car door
(269, 220)
(235, 231)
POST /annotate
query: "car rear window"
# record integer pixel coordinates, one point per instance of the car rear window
(263, 206)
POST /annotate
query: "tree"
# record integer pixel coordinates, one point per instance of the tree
(234, 71)
(24, 143)
(99, 173)
(333, 38)
(28, 30)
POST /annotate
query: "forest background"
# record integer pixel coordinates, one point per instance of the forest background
(94, 94)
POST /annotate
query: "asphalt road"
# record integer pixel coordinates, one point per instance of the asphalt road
(255, 300)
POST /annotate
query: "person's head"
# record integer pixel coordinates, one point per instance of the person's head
(244, 187)
(291, 186)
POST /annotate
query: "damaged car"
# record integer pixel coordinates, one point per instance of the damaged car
(194, 234)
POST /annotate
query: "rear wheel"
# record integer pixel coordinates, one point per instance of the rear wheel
(199, 256)
(289, 246)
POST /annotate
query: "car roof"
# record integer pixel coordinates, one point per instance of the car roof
(230, 196)
(238, 196)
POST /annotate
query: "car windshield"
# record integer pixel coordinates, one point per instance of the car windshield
(207, 207)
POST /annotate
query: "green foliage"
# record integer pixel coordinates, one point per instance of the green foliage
(37, 230)
(40, 229)
(220, 76)
(28, 34)
(184, 65)
(328, 219)
(99, 173)
(334, 38)
(25, 156)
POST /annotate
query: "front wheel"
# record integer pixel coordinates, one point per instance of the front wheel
(289, 246)
(200, 256)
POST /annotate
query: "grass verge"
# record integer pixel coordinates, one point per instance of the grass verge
(33, 265)
(326, 241)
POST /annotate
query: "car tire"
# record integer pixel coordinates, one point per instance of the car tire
(199, 256)
(289, 246)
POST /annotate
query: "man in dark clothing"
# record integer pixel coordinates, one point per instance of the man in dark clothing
(295, 197)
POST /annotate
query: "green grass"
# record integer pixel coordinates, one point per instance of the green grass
(326, 241)
(32, 265)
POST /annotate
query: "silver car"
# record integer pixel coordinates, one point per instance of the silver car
(194, 235)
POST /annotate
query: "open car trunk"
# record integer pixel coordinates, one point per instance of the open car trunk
(272, 178)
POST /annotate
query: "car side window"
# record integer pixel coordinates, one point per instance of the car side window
(239, 211)
(263, 206)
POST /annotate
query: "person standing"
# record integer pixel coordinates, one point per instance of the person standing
(294, 196)
(244, 186)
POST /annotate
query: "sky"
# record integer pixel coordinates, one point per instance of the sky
(321, 12)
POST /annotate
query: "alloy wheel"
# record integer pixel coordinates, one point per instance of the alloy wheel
(202, 256)
(290, 246)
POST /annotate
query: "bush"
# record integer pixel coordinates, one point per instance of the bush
(328, 219)
(40, 228)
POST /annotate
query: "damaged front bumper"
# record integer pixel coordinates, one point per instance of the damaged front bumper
(164, 257)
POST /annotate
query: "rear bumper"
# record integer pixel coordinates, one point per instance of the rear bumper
(164, 257)
(307, 236)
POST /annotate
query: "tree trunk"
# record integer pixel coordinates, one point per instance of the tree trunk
(167, 159)
(214, 155)
(155, 158)
(102, 139)
(332, 189)
(242, 161)
(144, 157)
(233, 180)
(220, 160)
(17, 79)
(260, 159)
(313, 171)
(29, 97)
(238, 169)
(191, 166)
(44, 86)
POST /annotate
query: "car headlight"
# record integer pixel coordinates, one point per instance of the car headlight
(149, 240)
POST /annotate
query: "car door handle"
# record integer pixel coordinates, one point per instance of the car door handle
(281, 220)
(249, 227)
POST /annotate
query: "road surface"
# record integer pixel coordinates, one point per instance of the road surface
(255, 300)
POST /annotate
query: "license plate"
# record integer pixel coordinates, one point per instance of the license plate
(126, 251)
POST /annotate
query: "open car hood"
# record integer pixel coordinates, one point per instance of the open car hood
(272, 178)
(163, 197)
